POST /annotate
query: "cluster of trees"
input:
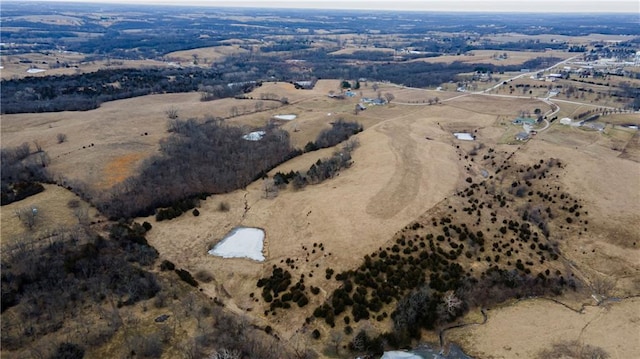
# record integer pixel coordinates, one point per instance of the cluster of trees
(340, 131)
(320, 171)
(21, 170)
(45, 284)
(87, 91)
(427, 270)
(179, 207)
(277, 290)
(197, 158)
(323, 169)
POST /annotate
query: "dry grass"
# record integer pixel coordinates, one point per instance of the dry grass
(14, 68)
(585, 40)
(351, 50)
(407, 163)
(53, 213)
(525, 328)
(498, 105)
(490, 57)
(205, 55)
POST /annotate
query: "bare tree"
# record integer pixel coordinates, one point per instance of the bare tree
(389, 96)
(234, 111)
(172, 113)
(335, 341)
(259, 106)
(82, 214)
(270, 188)
(226, 354)
(61, 137)
(603, 286)
(28, 216)
(38, 145)
(452, 303)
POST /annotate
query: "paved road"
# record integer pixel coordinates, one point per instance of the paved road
(549, 101)
(528, 74)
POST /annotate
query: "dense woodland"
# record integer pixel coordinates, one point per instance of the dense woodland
(78, 287)
(197, 158)
(87, 91)
(22, 171)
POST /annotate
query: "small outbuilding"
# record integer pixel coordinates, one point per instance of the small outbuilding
(566, 121)
(522, 136)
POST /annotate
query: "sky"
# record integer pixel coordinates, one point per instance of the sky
(548, 6)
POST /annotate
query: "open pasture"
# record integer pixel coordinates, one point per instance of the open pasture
(204, 56)
(492, 57)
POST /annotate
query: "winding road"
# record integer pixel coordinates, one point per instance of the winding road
(548, 100)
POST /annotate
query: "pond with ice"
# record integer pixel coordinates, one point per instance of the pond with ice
(241, 242)
(254, 136)
(285, 117)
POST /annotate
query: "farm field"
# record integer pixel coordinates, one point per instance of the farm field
(406, 164)
(231, 183)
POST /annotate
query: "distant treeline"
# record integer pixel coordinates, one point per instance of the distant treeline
(87, 91)
(81, 92)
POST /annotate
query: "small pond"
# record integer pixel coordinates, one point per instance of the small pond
(241, 242)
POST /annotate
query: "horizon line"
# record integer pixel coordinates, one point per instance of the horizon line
(454, 6)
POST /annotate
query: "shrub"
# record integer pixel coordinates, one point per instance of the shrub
(195, 212)
(61, 137)
(68, 351)
(316, 334)
(186, 276)
(224, 206)
(167, 265)
(204, 276)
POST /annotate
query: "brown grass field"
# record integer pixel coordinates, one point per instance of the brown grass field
(515, 37)
(13, 68)
(406, 165)
(205, 55)
(490, 57)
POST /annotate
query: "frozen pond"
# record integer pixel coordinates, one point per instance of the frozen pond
(254, 136)
(464, 136)
(285, 117)
(241, 242)
(427, 352)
